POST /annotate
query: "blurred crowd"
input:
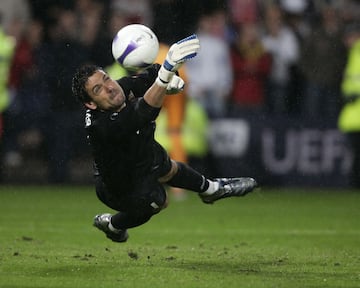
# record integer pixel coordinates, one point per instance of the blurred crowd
(275, 57)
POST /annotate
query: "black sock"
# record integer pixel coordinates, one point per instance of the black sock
(189, 179)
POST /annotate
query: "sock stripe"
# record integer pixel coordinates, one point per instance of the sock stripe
(202, 186)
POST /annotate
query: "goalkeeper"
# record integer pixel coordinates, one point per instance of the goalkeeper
(130, 167)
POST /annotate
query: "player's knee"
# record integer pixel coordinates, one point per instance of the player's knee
(173, 170)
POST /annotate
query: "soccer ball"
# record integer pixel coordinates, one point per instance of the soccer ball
(135, 46)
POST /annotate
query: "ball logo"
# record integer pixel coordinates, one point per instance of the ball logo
(131, 47)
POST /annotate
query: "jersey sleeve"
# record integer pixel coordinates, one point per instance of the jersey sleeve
(132, 118)
(138, 84)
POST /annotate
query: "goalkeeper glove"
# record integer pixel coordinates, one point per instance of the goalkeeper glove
(178, 53)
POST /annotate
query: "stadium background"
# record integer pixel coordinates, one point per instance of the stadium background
(282, 149)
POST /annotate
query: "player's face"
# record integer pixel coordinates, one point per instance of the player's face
(106, 93)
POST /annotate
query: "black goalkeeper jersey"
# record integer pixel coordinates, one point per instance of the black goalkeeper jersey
(123, 142)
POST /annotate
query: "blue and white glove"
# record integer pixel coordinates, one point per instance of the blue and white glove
(175, 85)
(178, 53)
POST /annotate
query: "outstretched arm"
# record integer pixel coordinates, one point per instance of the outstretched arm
(155, 95)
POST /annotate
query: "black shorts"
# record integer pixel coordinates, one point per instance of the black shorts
(145, 195)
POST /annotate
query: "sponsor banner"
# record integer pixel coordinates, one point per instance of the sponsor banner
(281, 150)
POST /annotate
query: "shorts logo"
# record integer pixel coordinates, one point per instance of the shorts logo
(154, 205)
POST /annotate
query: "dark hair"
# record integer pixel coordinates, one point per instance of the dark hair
(79, 80)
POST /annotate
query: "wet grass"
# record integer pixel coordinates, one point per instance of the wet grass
(271, 238)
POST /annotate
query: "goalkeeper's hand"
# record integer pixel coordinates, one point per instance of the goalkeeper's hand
(181, 51)
(178, 53)
(175, 85)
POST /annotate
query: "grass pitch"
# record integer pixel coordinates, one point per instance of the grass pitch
(270, 238)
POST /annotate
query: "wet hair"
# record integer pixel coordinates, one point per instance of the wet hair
(79, 80)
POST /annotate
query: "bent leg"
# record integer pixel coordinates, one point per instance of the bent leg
(148, 198)
(187, 178)
(125, 220)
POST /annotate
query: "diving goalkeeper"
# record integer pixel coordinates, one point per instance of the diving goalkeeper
(130, 167)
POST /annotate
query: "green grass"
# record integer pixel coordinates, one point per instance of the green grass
(271, 238)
